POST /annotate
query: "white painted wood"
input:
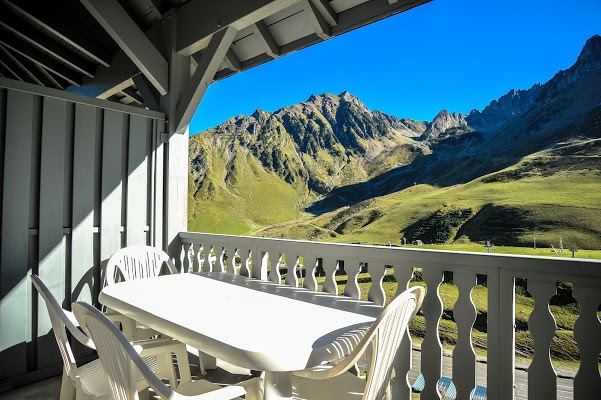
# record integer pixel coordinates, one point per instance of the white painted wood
(84, 165)
(158, 159)
(79, 99)
(263, 35)
(587, 331)
(111, 191)
(464, 356)
(186, 266)
(177, 189)
(119, 25)
(322, 29)
(232, 60)
(376, 291)
(274, 263)
(326, 10)
(310, 263)
(330, 266)
(137, 181)
(196, 257)
(542, 379)
(197, 24)
(15, 288)
(401, 387)
(292, 262)
(203, 76)
(244, 262)
(52, 241)
(352, 286)
(431, 347)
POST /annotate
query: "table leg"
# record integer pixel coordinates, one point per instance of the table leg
(278, 385)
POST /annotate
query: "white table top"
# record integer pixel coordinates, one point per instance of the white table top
(246, 322)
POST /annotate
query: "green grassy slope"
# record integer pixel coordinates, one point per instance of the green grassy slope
(545, 194)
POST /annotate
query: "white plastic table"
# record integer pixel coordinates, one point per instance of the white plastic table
(246, 322)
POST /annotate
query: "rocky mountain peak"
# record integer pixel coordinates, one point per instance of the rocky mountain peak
(501, 111)
(591, 52)
(442, 121)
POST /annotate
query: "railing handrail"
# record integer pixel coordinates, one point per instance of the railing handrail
(558, 269)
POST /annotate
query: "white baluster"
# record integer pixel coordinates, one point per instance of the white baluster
(431, 347)
(230, 252)
(244, 270)
(464, 357)
(208, 264)
(401, 388)
(376, 291)
(196, 257)
(186, 263)
(587, 332)
(330, 266)
(219, 252)
(310, 263)
(291, 278)
(352, 289)
(274, 260)
(542, 379)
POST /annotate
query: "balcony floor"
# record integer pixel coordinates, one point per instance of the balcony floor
(229, 374)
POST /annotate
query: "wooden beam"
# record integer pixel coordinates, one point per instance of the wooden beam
(26, 32)
(122, 69)
(150, 96)
(119, 25)
(197, 22)
(11, 68)
(232, 61)
(327, 12)
(41, 58)
(38, 74)
(204, 74)
(129, 92)
(86, 45)
(262, 32)
(49, 76)
(19, 65)
(322, 29)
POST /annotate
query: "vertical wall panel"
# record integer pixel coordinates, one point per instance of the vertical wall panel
(137, 182)
(82, 242)
(51, 237)
(72, 173)
(110, 220)
(15, 307)
(159, 184)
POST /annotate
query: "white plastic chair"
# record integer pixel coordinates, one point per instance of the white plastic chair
(333, 382)
(89, 381)
(139, 262)
(129, 263)
(120, 361)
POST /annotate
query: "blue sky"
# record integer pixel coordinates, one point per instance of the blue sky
(451, 54)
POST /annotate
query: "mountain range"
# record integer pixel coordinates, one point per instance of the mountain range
(332, 159)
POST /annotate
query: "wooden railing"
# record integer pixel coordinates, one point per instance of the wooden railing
(264, 258)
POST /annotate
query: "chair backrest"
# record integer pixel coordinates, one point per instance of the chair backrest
(388, 332)
(385, 335)
(61, 319)
(136, 262)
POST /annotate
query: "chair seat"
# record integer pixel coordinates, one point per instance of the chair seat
(95, 383)
(196, 387)
(342, 387)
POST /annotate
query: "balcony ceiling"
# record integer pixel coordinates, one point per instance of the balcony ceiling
(79, 46)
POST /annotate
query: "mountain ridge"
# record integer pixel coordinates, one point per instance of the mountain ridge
(331, 151)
